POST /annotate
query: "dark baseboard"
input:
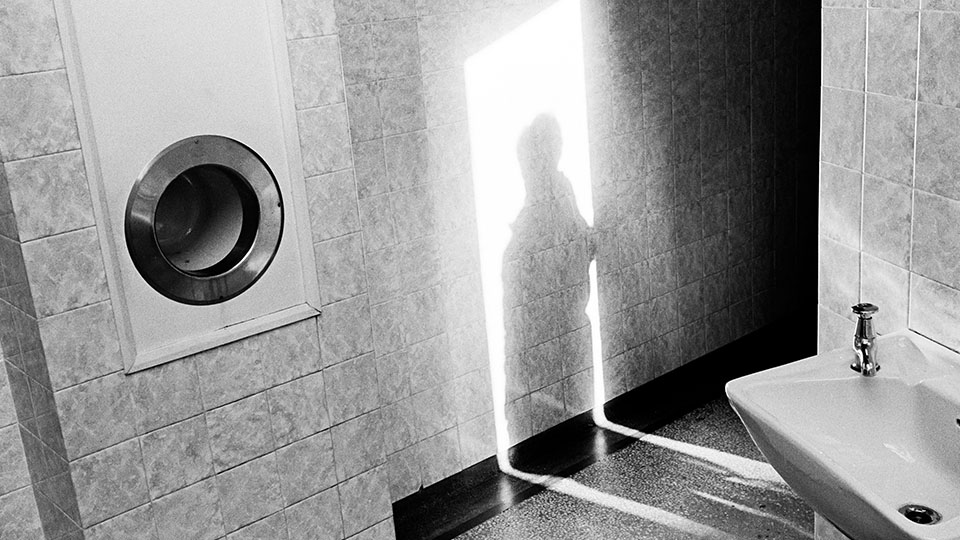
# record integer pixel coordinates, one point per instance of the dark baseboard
(470, 497)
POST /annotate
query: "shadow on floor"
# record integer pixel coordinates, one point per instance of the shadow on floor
(697, 477)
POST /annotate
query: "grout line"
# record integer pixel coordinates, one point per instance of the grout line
(913, 186)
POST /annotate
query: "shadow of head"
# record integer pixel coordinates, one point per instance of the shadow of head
(538, 151)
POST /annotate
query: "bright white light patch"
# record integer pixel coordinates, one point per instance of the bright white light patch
(533, 70)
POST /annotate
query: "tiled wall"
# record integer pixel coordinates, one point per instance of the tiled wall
(236, 441)
(18, 342)
(40, 161)
(889, 194)
(311, 430)
(693, 130)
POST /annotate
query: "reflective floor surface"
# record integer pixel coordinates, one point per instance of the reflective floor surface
(698, 477)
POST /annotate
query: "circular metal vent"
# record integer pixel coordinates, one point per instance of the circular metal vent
(203, 221)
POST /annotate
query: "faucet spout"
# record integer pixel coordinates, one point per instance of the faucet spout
(865, 341)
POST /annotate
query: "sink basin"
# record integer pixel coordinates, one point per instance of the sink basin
(857, 448)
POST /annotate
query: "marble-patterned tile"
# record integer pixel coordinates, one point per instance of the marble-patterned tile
(843, 47)
(332, 202)
(316, 73)
(425, 261)
(473, 395)
(839, 276)
(381, 531)
(306, 467)
(65, 271)
(345, 330)
(340, 268)
(478, 439)
(439, 456)
(371, 172)
(842, 127)
(938, 135)
(943, 5)
(936, 239)
(298, 409)
(401, 425)
(426, 361)
(379, 230)
(422, 315)
(939, 46)
(137, 524)
(8, 414)
(441, 41)
(18, 513)
(887, 286)
(272, 527)
(887, 214)
(240, 431)
(394, 376)
(165, 394)
(110, 482)
(13, 463)
(30, 39)
(309, 18)
(449, 151)
(316, 518)
(19, 385)
(518, 416)
(80, 345)
(37, 117)
(45, 465)
(363, 107)
(403, 471)
(892, 58)
(436, 407)
(230, 372)
(289, 352)
(407, 159)
(176, 456)
(932, 310)
(889, 138)
(351, 388)
(95, 415)
(361, 11)
(414, 213)
(840, 201)
(402, 105)
(546, 406)
(895, 4)
(359, 54)
(56, 524)
(397, 48)
(358, 445)
(437, 7)
(191, 513)
(324, 139)
(49, 195)
(249, 492)
(364, 500)
(577, 393)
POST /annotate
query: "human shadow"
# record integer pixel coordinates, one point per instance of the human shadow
(546, 286)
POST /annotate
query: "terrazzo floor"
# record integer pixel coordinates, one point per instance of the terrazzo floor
(698, 477)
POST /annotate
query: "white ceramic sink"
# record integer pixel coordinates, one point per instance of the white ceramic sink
(859, 448)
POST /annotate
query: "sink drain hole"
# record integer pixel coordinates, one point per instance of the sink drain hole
(920, 514)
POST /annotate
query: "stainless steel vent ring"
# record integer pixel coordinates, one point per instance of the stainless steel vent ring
(204, 220)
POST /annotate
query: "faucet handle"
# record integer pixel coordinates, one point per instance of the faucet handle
(865, 310)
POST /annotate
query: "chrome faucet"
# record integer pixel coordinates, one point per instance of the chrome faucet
(865, 341)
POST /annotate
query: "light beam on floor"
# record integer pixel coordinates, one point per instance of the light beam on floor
(653, 514)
